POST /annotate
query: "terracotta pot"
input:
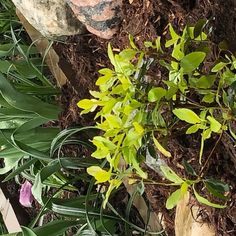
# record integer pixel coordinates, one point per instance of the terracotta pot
(101, 17)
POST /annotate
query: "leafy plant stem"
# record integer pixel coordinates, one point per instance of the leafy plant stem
(209, 156)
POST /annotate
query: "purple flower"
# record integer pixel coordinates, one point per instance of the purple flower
(26, 197)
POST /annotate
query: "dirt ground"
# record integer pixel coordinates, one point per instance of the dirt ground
(83, 55)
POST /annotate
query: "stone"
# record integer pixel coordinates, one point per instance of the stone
(188, 221)
(51, 18)
(101, 17)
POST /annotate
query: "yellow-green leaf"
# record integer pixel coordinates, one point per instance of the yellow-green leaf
(113, 121)
(177, 53)
(191, 61)
(86, 103)
(111, 55)
(161, 148)
(193, 129)
(170, 174)
(173, 199)
(214, 124)
(114, 183)
(219, 66)
(100, 153)
(99, 174)
(156, 94)
(205, 201)
(138, 128)
(187, 115)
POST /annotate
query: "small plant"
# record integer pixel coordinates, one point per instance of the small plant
(135, 115)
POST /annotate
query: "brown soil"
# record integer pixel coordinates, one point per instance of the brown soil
(83, 55)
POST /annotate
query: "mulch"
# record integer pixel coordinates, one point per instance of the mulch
(81, 57)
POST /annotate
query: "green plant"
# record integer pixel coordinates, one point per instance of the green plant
(83, 213)
(135, 114)
(216, 188)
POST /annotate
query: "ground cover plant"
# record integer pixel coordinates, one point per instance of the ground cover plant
(146, 20)
(138, 114)
(153, 93)
(31, 145)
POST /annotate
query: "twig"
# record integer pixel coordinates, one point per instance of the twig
(211, 153)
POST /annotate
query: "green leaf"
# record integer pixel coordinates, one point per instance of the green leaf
(111, 55)
(20, 169)
(209, 98)
(99, 174)
(205, 201)
(10, 163)
(214, 124)
(128, 54)
(55, 228)
(131, 41)
(171, 175)
(174, 37)
(86, 104)
(204, 82)
(149, 44)
(217, 188)
(193, 129)
(206, 134)
(191, 61)
(172, 89)
(27, 231)
(189, 168)
(219, 66)
(173, 199)
(187, 115)
(26, 102)
(155, 94)
(161, 148)
(177, 53)
(198, 28)
(37, 189)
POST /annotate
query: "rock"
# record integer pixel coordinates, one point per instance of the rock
(188, 222)
(50, 17)
(101, 17)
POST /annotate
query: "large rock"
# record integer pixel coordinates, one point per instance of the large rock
(101, 17)
(50, 17)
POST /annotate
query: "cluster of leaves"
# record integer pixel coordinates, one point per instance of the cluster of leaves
(133, 111)
(32, 150)
(25, 100)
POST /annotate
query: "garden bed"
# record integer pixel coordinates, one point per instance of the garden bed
(82, 56)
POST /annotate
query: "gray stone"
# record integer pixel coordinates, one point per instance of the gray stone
(51, 18)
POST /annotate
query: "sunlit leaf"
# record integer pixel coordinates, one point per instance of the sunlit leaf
(187, 115)
(156, 94)
(173, 199)
(170, 174)
(177, 53)
(209, 98)
(191, 61)
(214, 124)
(111, 55)
(219, 66)
(161, 148)
(193, 129)
(99, 174)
